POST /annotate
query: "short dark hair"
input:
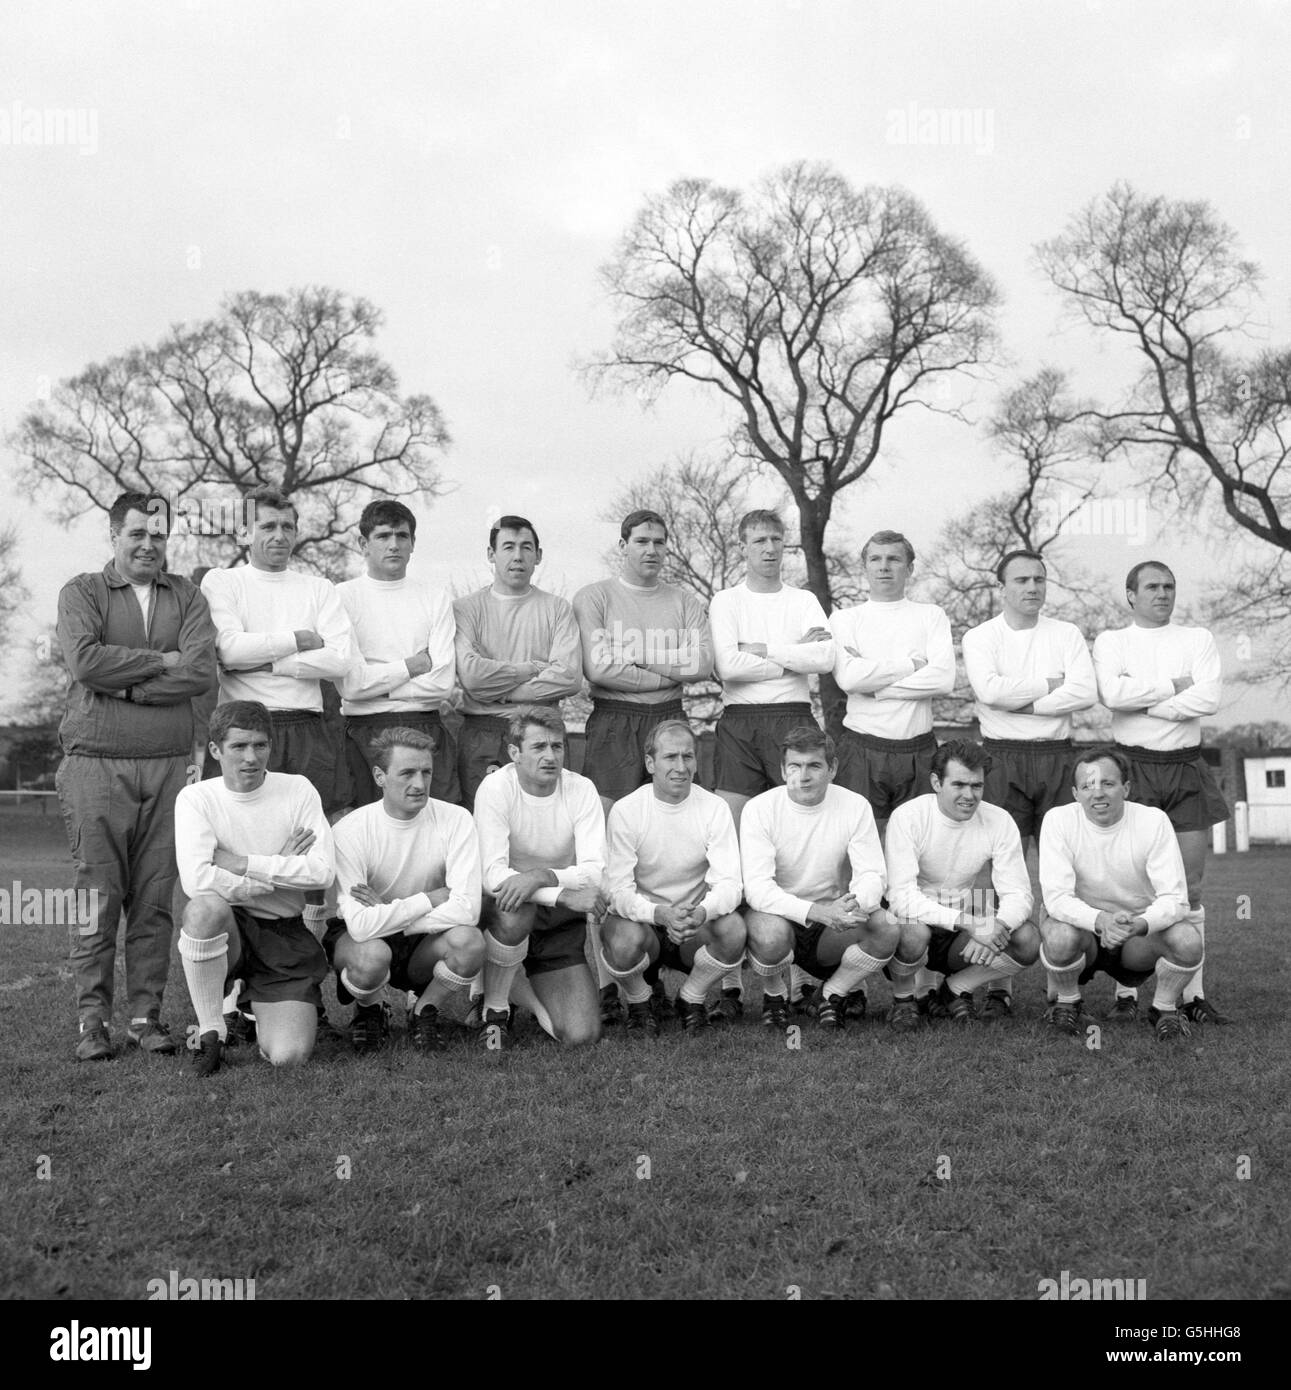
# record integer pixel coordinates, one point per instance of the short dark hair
(1132, 579)
(888, 538)
(271, 498)
(151, 504)
(384, 744)
(542, 715)
(1003, 567)
(643, 516)
(760, 517)
(667, 726)
(1097, 755)
(385, 511)
(808, 738)
(963, 751)
(238, 714)
(513, 523)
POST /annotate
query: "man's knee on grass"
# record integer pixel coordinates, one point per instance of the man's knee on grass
(624, 942)
(366, 963)
(1024, 945)
(1064, 944)
(1182, 946)
(770, 938)
(725, 937)
(206, 916)
(463, 950)
(286, 1032)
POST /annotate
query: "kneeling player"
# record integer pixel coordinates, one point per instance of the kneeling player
(243, 919)
(936, 846)
(542, 851)
(813, 879)
(674, 883)
(408, 870)
(1114, 895)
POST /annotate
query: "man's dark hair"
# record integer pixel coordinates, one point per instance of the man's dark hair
(272, 499)
(238, 714)
(524, 716)
(1097, 755)
(385, 511)
(1002, 569)
(760, 517)
(152, 504)
(643, 516)
(384, 744)
(807, 738)
(513, 523)
(1132, 579)
(965, 752)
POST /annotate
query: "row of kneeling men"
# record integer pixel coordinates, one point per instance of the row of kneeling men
(511, 903)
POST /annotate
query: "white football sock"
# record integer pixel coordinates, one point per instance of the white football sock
(631, 981)
(773, 975)
(362, 996)
(975, 976)
(206, 963)
(501, 962)
(1196, 917)
(443, 982)
(1064, 980)
(905, 974)
(852, 970)
(1170, 982)
(734, 979)
(599, 966)
(704, 973)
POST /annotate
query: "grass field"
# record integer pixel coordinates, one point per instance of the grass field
(723, 1166)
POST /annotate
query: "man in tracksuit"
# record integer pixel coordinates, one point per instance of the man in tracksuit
(139, 646)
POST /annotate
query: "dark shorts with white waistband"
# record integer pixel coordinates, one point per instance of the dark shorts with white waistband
(887, 772)
(1028, 778)
(1178, 782)
(749, 739)
(614, 751)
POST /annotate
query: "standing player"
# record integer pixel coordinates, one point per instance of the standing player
(1114, 895)
(674, 883)
(1030, 674)
(250, 843)
(516, 645)
(542, 853)
(813, 880)
(643, 641)
(403, 629)
(1159, 680)
(892, 657)
(278, 634)
(139, 648)
(936, 846)
(767, 638)
(408, 874)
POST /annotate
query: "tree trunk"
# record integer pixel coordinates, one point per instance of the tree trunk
(813, 518)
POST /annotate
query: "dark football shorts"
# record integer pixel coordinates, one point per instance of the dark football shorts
(887, 772)
(360, 731)
(557, 940)
(401, 950)
(748, 745)
(1028, 778)
(1110, 963)
(279, 960)
(1177, 782)
(614, 751)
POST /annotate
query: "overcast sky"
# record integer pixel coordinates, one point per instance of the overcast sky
(468, 166)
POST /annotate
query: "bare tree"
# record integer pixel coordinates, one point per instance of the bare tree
(816, 311)
(1210, 421)
(14, 594)
(277, 389)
